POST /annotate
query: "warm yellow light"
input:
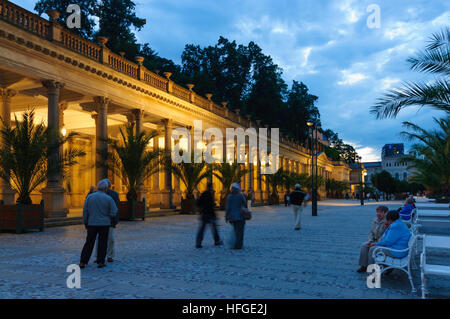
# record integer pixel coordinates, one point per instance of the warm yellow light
(201, 145)
(63, 131)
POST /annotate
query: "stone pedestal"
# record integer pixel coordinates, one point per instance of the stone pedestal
(258, 197)
(166, 199)
(54, 202)
(8, 195)
(155, 199)
(177, 198)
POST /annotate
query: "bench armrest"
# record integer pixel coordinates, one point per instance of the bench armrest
(378, 251)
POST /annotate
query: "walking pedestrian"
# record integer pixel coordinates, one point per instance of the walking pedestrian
(99, 212)
(110, 252)
(235, 202)
(207, 216)
(297, 197)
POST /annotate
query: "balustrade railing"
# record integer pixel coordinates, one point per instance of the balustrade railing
(181, 92)
(122, 65)
(80, 45)
(155, 80)
(24, 19)
(41, 27)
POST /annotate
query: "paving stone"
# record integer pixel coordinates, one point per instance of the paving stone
(156, 258)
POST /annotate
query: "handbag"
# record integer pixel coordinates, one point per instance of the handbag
(246, 213)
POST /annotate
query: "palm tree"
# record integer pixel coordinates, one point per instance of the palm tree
(227, 174)
(132, 160)
(432, 167)
(191, 174)
(25, 152)
(275, 180)
(436, 60)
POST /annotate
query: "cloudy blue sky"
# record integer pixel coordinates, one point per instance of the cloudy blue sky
(325, 44)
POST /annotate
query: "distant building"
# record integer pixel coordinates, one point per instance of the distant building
(393, 160)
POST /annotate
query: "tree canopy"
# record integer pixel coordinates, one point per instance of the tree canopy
(242, 75)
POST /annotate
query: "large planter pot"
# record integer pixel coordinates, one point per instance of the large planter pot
(21, 217)
(131, 210)
(188, 206)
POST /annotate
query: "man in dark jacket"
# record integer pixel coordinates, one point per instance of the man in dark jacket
(207, 216)
(297, 197)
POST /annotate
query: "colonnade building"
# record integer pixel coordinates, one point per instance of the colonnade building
(80, 86)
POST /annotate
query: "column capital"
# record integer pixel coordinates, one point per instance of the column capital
(130, 116)
(167, 122)
(138, 113)
(101, 100)
(52, 84)
(7, 93)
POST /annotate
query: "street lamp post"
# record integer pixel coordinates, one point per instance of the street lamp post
(313, 167)
(361, 192)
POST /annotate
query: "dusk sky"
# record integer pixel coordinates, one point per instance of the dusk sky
(325, 44)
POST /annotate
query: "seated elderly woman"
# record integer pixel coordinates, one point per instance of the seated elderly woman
(406, 210)
(396, 236)
(376, 231)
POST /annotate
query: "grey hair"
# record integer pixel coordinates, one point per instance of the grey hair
(107, 181)
(102, 185)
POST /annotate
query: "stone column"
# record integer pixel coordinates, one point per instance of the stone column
(167, 192)
(53, 193)
(155, 198)
(7, 193)
(138, 118)
(101, 134)
(250, 173)
(258, 190)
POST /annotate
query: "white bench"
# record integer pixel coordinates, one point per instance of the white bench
(388, 262)
(434, 213)
(433, 206)
(442, 242)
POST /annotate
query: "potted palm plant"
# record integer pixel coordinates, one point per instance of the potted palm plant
(227, 174)
(24, 166)
(133, 162)
(275, 180)
(191, 174)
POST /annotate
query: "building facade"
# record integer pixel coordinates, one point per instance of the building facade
(393, 160)
(80, 86)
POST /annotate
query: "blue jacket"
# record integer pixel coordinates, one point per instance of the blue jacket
(235, 201)
(396, 236)
(405, 212)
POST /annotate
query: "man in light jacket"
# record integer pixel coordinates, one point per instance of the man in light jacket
(376, 232)
(99, 212)
(110, 251)
(297, 197)
(396, 236)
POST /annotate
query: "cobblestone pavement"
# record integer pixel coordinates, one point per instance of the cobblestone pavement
(157, 259)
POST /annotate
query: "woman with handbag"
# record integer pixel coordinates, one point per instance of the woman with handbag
(236, 213)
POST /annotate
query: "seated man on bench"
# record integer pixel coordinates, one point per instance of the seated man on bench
(396, 236)
(376, 231)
